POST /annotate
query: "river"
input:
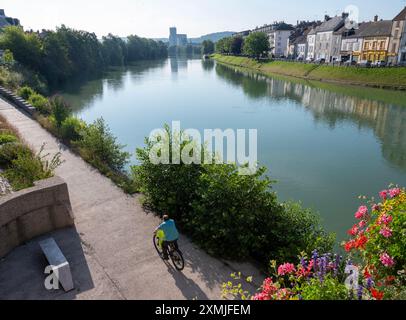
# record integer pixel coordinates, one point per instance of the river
(324, 144)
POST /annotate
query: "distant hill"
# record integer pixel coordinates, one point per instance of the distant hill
(212, 36)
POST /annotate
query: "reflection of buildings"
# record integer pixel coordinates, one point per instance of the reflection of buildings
(177, 63)
(388, 121)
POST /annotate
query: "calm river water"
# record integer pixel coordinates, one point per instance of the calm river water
(324, 144)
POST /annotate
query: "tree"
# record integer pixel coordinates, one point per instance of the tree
(207, 47)
(256, 45)
(236, 45)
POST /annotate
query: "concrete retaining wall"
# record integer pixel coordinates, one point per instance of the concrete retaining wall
(17, 101)
(33, 212)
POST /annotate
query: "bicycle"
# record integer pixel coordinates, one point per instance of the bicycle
(175, 254)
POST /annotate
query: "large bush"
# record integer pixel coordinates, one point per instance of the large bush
(60, 110)
(40, 103)
(228, 214)
(72, 128)
(25, 92)
(99, 146)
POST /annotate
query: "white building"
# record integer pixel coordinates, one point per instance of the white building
(278, 34)
(327, 43)
(311, 45)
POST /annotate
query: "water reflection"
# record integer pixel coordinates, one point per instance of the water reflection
(334, 107)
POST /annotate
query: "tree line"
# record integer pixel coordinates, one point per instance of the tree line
(255, 45)
(60, 55)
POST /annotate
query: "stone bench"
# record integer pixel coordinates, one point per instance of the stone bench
(59, 264)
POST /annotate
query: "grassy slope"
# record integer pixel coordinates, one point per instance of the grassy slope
(385, 77)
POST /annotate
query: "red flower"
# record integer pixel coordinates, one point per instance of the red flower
(377, 294)
(360, 242)
(348, 246)
(367, 275)
(353, 231)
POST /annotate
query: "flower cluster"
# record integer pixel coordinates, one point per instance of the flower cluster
(376, 239)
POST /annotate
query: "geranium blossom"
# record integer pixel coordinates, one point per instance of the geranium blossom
(361, 213)
(286, 268)
(386, 232)
(362, 224)
(394, 192)
(377, 294)
(387, 260)
(376, 207)
(383, 194)
(353, 231)
(385, 219)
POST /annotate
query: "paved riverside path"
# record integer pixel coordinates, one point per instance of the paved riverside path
(111, 250)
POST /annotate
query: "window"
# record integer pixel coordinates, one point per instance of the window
(383, 45)
(374, 45)
(366, 46)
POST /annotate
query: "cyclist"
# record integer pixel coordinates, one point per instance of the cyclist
(171, 235)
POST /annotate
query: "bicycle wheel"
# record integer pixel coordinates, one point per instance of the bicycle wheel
(158, 248)
(177, 260)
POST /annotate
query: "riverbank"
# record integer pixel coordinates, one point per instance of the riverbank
(384, 78)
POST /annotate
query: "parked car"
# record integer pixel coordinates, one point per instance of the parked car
(350, 63)
(365, 63)
(321, 61)
(381, 63)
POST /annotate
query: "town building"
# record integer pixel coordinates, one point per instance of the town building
(278, 35)
(328, 42)
(352, 42)
(7, 21)
(376, 39)
(397, 46)
(176, 39)
(311, 45)
(297, 46)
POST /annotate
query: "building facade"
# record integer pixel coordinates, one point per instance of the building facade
(397, 50)
(376, 39)
(311, 45)
(327, 42)
(176, 39)
(278, 35)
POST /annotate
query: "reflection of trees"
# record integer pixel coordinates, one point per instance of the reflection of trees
(388, 121)
(208, 64)
(82, 92)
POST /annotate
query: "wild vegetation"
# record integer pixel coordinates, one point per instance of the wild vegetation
(227, 214)
(21, 166)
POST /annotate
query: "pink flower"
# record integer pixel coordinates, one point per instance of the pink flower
(353, 231)
(361, 213)
(286, 268)
(261, 297)
(394, 192)
(383, 194)
(387, 260)
(376, 207)
(386, 232)
(385, 219)
(362, 224)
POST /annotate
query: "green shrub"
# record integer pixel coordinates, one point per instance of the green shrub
(100, 147)
(11, 151)
(328, 289)
(40, 103)
(227, 214)
(72, 128)
(25, 92)
(28, 168)
(7, 138)
(59, 109)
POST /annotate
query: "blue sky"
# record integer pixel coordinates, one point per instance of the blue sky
(152, 18)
